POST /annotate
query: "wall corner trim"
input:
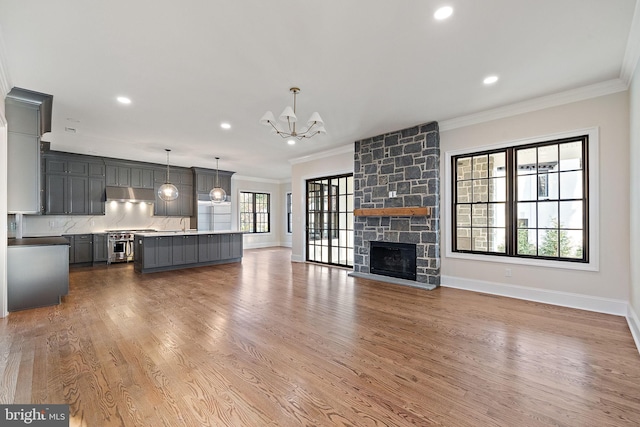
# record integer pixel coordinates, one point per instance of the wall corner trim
(563, 299)
(634, 324)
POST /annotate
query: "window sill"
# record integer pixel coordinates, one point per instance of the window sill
(590, 266)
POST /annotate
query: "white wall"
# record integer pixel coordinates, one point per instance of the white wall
(285, 238)
(5, 87)
(634, 300)
(334, 162)
(611, 115)
(241, 183)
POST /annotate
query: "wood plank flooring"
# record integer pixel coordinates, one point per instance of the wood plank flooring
(272, 343)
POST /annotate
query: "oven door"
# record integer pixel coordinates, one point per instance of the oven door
(119, 250)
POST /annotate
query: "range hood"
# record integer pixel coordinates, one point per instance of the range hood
(128, 194)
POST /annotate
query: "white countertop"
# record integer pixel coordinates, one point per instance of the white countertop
(184, 233)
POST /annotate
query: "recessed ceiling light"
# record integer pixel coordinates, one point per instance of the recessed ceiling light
(123, 100)
(489, 80)
(225, 125)
(443, 13)
(291, 142)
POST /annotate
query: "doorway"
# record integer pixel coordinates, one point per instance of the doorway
(329, 222)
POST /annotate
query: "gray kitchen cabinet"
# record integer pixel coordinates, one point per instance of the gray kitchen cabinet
(182, 206)
(97, 170)
(185, 250)
(66, 195)
(83, 248)
(118, 176)
(157, 251)
(205, 180)
(141, 178)
(100, 248)
(96, 197)
(28, 116)
(61, 165)
(209, 247)
(71, 239)
(236, 246)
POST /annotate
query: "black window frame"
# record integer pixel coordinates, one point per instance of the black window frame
(254, 212)
(289, 202)
(512, 225)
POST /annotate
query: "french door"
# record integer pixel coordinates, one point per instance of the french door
(330, 220)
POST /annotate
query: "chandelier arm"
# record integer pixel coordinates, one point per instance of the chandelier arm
(308, 129)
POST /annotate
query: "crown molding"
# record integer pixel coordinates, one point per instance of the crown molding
(5, 81)
(574, 95)
(333, 152)
(632, 51)
(237, 177)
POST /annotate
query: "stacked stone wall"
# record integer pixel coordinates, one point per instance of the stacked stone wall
(406, 162)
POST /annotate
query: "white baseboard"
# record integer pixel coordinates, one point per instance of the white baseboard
(634, 324)
(260, 245)
(564, 299)
(297, 258)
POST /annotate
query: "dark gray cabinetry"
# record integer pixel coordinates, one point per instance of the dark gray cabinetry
(183, 205)
(80, 248)
(185, 250)
(141, 178)
(214, 247)
(100, 249)
(66, 194)
(156, 251)
(118, 176)
(205, 180)
(73, 185)
(129, 175)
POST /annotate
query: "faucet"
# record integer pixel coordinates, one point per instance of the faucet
(184, 225)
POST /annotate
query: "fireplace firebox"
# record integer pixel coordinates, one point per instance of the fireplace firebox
(393, 259)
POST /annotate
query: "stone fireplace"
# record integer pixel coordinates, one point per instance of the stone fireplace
(399, 170)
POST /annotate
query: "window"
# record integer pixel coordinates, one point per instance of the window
(255, 212)
(289, 214)
(525, 201)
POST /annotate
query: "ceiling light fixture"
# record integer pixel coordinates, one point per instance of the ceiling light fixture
(291, 141)
(225, 125)
(123, 100)
(315, 125)
(443, 13)
(489, 80)
(168, 191)
(217, 194)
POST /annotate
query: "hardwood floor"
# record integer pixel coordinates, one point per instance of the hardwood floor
(274, 343)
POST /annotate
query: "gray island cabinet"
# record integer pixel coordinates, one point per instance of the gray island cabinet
(163, 251)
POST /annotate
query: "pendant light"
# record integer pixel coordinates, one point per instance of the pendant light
(217, 194)
(168, 191)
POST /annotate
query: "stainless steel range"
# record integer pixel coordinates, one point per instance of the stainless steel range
(120, 244)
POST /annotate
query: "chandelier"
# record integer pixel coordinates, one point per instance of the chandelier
(217, 194)
(168, 191)
(315, 125)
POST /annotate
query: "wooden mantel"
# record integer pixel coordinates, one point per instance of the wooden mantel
(409, 211)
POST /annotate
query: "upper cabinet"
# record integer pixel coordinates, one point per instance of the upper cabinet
(73, 185)
(28, 116)
(205, 180)
(125, 174)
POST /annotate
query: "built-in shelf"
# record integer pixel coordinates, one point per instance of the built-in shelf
(409, 211)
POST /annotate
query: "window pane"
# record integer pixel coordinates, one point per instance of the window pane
(463, 216)
(548, 215)
(527, 242)
(497, 189)
(497, 164)
(464, 192)
(571, 156)
(527, 217)
(571, 185)
(527, 187)
(480, 190)
(480, 239)
(548, 243)
(463, 236)
(497, 238)
(481, 166)
(526, 161)
(479, 215)
(463, 168)
(547, 158)
(350, 184)
(497, 215)
(575, 244)
(571, 214)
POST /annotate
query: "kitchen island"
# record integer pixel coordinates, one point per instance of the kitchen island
(173, 250)
(37, 272)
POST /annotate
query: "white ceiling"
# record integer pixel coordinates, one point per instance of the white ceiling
(367, 67)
